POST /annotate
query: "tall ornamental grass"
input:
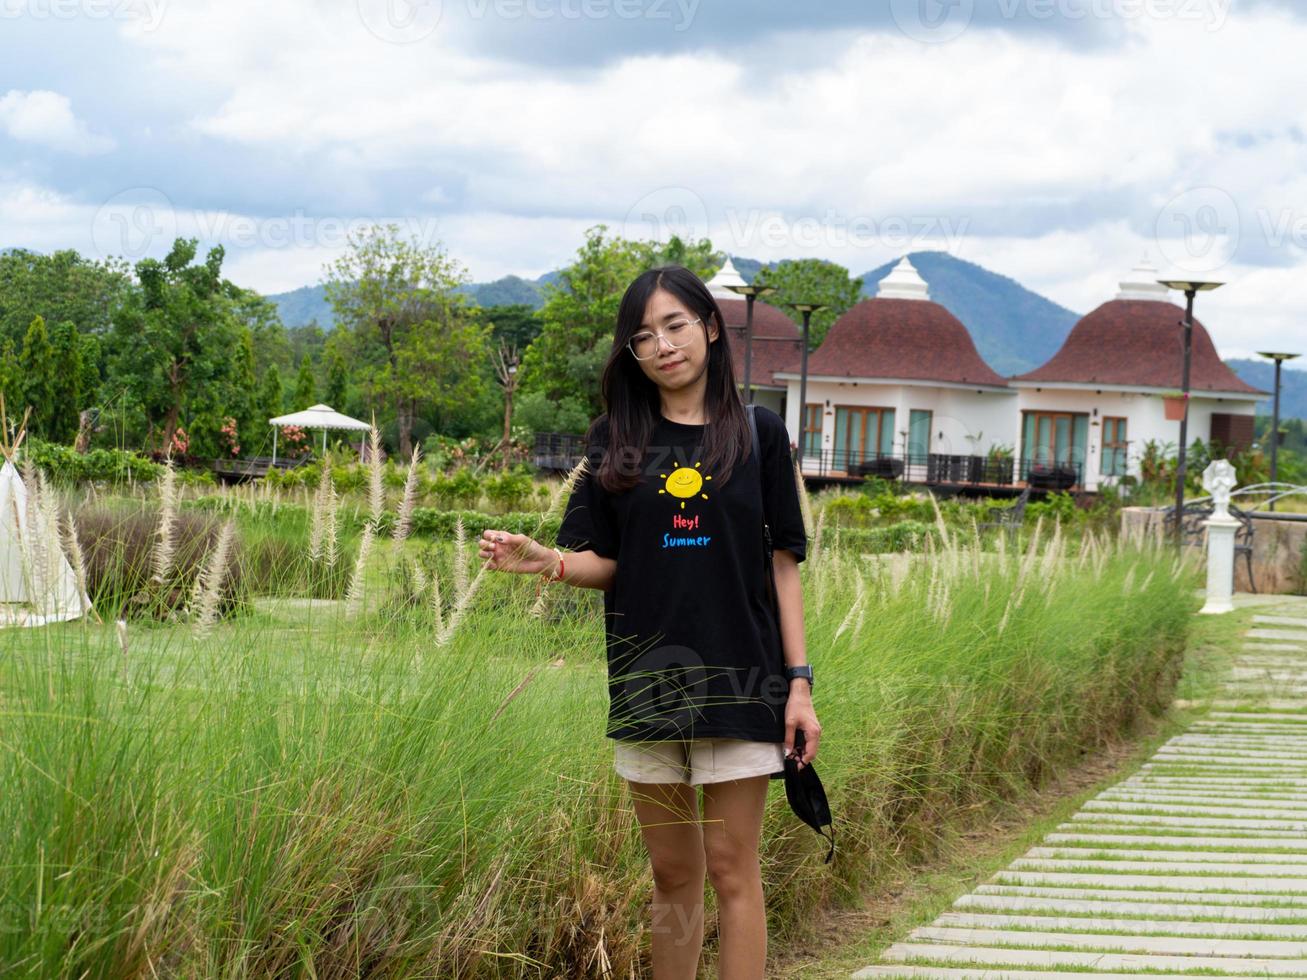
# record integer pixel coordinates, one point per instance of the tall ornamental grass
(414, 780)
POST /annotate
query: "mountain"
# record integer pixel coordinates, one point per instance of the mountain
(1014, 329)
(1293, 385)
(308, 303)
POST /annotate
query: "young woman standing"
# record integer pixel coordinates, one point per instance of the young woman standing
(706, 688)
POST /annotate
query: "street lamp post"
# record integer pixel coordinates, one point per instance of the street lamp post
(1190, 288)
(750, 293)
(1279, 359)
(807, 309)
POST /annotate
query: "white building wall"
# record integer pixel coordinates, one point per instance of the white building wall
(1145, 417)
(963, 421)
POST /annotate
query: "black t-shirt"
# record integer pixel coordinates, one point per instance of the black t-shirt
(694, 649)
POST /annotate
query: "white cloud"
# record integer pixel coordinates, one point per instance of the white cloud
(46, 119)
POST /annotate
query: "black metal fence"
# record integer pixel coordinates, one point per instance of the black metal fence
(556, 451)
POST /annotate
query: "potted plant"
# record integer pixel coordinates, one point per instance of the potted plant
(1173, 403)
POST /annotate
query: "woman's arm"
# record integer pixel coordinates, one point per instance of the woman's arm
(520, 553)
(799, 712)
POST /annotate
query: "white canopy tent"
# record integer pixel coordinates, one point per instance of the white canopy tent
(37, 584)
(322, 417)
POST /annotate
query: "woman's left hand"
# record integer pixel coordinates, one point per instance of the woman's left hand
(800, 714)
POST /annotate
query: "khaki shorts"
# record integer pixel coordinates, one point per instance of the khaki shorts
(695, 761)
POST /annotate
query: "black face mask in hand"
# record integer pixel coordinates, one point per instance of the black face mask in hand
(806, 795)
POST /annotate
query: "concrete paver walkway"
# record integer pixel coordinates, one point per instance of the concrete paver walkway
(1194, 864)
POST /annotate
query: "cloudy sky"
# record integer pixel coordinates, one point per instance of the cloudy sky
(1054, 141)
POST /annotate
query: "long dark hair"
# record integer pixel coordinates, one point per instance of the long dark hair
(632, 401)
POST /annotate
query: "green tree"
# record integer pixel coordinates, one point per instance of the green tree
(172, 343)
(304, 385)
(246, 404)
(337, 379)
(416, 342)
(11, 385)
(516, 325)
(270, 395)
(565, 361)
(67, 401)
(60, 286)
(811, 281)
(91, 355)
(36, 374)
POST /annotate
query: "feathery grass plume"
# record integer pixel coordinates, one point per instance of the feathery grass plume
(208, 584)
(330, 527)
(541, 602)
(460, 609)
(1128, 581)
(166, 531)
(460, 558)
(354, 594)
(899, 566)
(120, 627)
(437, 612)
(1143, 586)
(860, 597)
(405, 516)
(805, 504)
(1032, 552)
(945, 538)
(74, 549)
(419, 581)
(558, 501)
(521, 686)
(318, 520)
(1052, 553)
(376, 491)
(818, 535)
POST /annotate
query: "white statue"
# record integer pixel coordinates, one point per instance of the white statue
(1219, 480)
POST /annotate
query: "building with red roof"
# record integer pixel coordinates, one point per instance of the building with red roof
(899, 376)
(1098, 402)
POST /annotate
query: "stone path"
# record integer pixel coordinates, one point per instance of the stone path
(1195, 864)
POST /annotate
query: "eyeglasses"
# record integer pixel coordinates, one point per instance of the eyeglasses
(644, 345)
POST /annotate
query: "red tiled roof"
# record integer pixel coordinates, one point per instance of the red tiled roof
(1138, 343)
(777, 341)
(909, 339)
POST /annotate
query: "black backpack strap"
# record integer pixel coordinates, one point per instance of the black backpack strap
(766, 531)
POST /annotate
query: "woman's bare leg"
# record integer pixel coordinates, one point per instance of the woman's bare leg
(732, 826)
(669, 823)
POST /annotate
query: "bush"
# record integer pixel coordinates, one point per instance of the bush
(461, 489)
(509, 490)
(65, 465)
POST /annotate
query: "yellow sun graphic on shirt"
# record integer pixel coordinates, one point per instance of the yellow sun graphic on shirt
(685, 482)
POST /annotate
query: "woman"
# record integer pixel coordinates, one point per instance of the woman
(667, 521)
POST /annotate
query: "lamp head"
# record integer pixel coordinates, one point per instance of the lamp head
(1190, 285)
(1275, 356)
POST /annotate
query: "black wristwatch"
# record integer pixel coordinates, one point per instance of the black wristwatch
(804, 671)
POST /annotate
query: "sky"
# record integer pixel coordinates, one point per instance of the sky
(1054, 141)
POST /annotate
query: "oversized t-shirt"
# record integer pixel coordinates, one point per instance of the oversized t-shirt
(694, 648)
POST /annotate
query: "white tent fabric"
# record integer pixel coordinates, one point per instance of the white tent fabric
(37, 585)
(317, 417)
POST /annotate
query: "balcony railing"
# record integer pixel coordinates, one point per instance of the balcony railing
(560, 452)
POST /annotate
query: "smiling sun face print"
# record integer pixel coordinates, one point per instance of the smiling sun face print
(684, 482)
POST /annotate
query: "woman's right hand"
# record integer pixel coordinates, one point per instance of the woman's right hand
(507, 552)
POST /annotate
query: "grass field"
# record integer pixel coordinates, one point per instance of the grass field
(411, 778)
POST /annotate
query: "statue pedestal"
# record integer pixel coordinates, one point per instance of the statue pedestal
(1220, 564)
